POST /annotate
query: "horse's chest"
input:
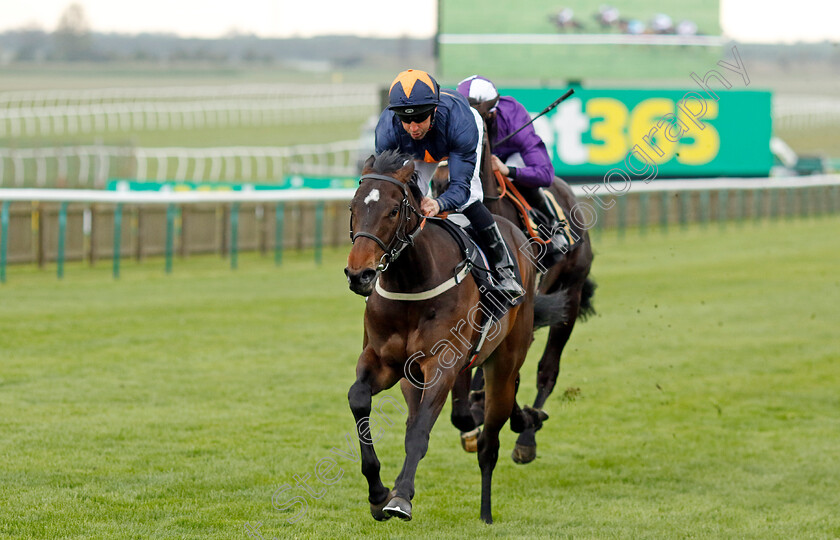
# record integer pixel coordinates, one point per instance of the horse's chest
(403, 334)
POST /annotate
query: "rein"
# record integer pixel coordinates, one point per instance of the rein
(508, 190)
(401, 238)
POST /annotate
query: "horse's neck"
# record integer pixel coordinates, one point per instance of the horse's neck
(488, 177)
(414, 270)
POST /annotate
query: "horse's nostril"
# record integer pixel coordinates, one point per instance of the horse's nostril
(367, 276)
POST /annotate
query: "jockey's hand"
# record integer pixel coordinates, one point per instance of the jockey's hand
(499, 166)
(429, 207)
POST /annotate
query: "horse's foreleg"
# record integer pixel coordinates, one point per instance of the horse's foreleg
(417, 431)
(360, 396)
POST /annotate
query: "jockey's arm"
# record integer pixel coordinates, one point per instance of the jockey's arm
(538, 170)
(461, 167)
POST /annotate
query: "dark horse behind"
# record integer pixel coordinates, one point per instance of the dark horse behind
(565, 289)
(418, 331)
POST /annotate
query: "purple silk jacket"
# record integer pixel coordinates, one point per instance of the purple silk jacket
(510, 116)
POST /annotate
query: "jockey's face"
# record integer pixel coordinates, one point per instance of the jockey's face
(418, 130)
(489, 117)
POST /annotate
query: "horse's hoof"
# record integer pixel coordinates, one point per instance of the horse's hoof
(488, 519)
(398, 507)
(524, 454)
(376, 510)
(538, 416)
(469, 440)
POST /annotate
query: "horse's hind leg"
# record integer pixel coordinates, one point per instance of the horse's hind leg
(525, 450)
(500, 394)
(462, 417)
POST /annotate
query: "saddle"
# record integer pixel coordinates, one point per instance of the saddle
(533, 223)
(495, 303)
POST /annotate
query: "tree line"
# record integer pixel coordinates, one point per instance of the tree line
(74, 41)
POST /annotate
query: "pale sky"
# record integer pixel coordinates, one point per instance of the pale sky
(744, 20)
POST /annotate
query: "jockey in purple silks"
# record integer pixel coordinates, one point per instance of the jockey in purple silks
(523, 158)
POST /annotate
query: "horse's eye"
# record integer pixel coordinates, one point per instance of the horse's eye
(395, 211)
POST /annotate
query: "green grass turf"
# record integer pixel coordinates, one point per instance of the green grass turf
(535, 17)
(173, 406)
(552, 64)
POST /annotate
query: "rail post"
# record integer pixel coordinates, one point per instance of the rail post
(644, 198)
(62, 234)
(705, 204)
(4, 234)
(622, 216)
(664, 200)
(117, 239)
(319, 231)
(170, 236)
(234, 236)
(723, 207)
(279, 216)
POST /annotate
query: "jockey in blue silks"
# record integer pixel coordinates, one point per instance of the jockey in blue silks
(433, 125)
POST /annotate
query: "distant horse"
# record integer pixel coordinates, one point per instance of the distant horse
(417, 328)
(566, 285)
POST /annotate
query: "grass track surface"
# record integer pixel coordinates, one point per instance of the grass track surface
(174, 406)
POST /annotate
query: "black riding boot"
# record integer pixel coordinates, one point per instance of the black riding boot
(559, 242)
(501, 260)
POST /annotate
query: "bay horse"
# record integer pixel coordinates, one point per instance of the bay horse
(418, 336)
(566, 285)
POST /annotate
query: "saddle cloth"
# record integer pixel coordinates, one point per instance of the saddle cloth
(494, 302)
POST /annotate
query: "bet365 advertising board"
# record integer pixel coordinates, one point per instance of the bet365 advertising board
(686, 133)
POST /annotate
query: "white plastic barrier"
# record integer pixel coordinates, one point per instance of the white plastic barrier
(92, 166)
(197, 197)
(151, 115)
(45, 98)
(802, 112)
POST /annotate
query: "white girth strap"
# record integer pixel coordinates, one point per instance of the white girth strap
(425, 295)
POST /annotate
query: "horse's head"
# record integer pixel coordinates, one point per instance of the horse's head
(382, 217)
(440, 179)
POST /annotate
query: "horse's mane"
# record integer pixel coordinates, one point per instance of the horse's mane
(390, 161)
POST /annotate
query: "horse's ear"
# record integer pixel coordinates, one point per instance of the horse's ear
(369, 162)
(407, 170)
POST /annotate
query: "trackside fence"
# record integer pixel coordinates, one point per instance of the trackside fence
(92, 166)
(49, 113)
(45, 226)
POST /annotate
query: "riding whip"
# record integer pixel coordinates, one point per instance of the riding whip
(550, 107)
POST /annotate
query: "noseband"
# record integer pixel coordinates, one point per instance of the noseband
(401, 238)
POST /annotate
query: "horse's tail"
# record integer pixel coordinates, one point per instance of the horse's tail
(551, 309)
(586, 294)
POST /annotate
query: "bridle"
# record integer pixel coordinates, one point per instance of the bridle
(401, 239)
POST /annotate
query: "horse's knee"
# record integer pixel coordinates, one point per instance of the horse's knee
(463, 420)
(488, 450)
(359, 397)
(547, 373)
(518, 423)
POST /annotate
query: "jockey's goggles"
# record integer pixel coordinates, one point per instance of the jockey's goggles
(414, 115)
